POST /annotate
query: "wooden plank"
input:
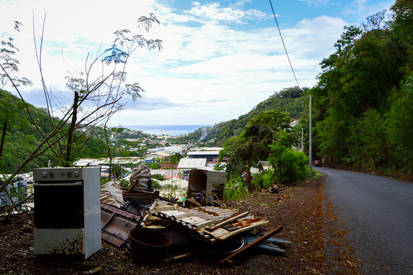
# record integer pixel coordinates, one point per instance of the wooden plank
(243, 229)
(228, 220)
(257, 241)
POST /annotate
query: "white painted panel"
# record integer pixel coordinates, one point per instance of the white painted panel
(58, 241)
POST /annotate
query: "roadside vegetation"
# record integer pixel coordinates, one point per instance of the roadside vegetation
(363, 100)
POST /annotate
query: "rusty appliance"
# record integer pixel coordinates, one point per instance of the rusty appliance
(67, 212)
(206, 186)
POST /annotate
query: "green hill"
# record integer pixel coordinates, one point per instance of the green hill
(21, 138)
(20, 135)
(291, 100)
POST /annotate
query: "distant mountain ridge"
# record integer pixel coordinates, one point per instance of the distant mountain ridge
(291, 100)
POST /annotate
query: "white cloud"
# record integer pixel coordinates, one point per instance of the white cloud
(207, 72)
(214, 12)
(361, 9)
(240, 4)
(316, 2)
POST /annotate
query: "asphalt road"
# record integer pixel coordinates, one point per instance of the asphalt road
(378, 212)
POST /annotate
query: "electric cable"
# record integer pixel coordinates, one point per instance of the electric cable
(282, 40)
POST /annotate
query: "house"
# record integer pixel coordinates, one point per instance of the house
(209, 153)
(191, 163)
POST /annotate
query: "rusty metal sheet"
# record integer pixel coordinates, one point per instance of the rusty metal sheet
(208, 222)
(116, 224)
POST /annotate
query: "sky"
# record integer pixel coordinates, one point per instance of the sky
(219, 58)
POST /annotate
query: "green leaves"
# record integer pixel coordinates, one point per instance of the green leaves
(362, 101)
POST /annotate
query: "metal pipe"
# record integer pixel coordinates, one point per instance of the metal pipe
(310, 157)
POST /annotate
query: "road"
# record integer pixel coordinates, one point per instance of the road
(378, 211)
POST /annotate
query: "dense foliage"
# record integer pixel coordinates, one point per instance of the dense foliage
(363, 100)
(19, 136)
(245, 150)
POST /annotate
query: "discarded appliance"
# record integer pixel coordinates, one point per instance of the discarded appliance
(206, 186)
(117, 223)
(67, 212)
(208, 223)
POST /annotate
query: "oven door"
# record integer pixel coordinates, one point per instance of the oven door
(58, 205)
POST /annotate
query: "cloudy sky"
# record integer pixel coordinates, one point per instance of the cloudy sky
(220, 58)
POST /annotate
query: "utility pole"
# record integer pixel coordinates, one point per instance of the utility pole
(310, 159)
(302, 139)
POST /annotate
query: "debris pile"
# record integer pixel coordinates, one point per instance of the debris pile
(140, 190)
(156, 230)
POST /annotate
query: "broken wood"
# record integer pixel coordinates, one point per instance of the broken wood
(193, 202)
(154, 204)
(257, 241)
(228, 220)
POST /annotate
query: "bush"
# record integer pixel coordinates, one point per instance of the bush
(158, 177)
(289, 166)
(156, 185)
(264, 180)
(235, 189)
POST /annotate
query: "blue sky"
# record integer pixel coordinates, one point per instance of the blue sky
(220, 58)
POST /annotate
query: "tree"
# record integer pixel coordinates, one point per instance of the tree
(174, 159)
(399, 127)
(244, 151)
(9, 65)
(288, 165)
(106, 90)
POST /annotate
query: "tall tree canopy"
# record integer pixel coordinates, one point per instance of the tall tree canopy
(363, 94)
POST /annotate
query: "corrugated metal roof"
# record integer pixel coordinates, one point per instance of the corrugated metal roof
(188, 163)
(203, 153)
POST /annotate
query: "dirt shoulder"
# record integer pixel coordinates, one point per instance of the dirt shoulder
(319, 242)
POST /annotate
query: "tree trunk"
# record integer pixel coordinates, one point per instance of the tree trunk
(109, 152)
(71, 130)
(247, 179)
(3, 136)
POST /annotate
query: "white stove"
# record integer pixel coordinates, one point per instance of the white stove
(67, 212)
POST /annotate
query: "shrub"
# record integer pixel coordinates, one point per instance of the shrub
(289, 165)
(263, 180)
(156, 185)
(235, 189)
(158, 177)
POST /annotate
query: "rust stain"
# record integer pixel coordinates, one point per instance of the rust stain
(207, 212)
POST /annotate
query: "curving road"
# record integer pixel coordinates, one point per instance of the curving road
(379, 213)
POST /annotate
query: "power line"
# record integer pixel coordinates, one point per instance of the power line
(310, 99)
(282, 40)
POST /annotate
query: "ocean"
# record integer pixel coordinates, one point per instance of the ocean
(172, 130)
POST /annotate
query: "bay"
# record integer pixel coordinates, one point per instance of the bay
(171, 130)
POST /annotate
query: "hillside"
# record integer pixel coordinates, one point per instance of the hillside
(20, 136)
(291, 100)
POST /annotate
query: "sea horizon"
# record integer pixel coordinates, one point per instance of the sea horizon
(171, 130)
